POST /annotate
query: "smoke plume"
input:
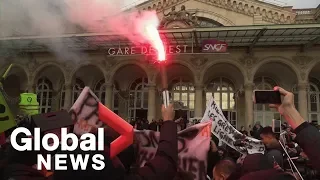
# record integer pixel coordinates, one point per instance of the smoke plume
(21, 18)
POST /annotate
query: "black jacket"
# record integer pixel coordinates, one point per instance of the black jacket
(275, 154)
(308, 138)
(270, 174)
(164, 165)
(256, 132)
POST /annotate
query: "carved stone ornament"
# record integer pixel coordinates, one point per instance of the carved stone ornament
(69, 68)
(109, 61)
(198, 62)
(198, 75)
(268, 12)
(153, 75)
(32, 63)
(182, 15)
(303, 75)
(248, 60)
(107, 76)
(249, 74)
(302, 61)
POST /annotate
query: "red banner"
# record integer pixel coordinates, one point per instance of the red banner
(214, 46)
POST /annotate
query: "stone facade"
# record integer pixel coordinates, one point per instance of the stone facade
(130, 85)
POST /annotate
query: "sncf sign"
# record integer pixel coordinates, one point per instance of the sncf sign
(214, 46)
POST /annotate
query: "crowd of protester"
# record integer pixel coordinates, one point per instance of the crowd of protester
(300, 139)
(274, 155)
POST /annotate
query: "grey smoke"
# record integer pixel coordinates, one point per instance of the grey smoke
(21, 18)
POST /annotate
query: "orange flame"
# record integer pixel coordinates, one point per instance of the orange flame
(155, 40)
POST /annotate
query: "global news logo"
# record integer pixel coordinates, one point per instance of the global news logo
(68, 142)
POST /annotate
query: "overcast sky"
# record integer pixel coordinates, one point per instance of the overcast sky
(303, 3)
(294, 3)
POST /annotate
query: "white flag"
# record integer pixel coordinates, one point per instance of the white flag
(223, 130)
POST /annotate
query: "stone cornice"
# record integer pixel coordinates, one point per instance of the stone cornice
(269, 12)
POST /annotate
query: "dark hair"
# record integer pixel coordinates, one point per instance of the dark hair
(226, 166)
(268, 131)
(255, 162)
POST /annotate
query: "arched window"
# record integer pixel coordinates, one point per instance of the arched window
(76, 89)
(314, 99)
(44, 94)
(263, 113)
(62, 96)
(115, 102)
(183, 98)
(206, 22)
(138, 100)
(100, 90)
(223, 92)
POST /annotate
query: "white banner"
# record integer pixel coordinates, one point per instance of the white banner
(193, 147)
(223, 130)
(84, 113)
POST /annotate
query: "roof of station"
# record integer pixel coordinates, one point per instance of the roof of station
(304, 35)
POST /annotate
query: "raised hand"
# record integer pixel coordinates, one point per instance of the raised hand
(287, 108)
(167, 113)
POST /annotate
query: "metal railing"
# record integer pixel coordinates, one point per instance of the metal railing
(304, 11)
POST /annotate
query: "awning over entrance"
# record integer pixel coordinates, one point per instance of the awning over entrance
(304, 35)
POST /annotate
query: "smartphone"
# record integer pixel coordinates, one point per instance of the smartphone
(276, 126)
(267, 97)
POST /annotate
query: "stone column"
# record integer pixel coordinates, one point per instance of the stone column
(31, 88)
(302, 97)
(151, 102)
(109, 96)
(248, 90)
(198, 105)
(68, 96)
(55, 101)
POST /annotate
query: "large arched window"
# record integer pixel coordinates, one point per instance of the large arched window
(223, 92)
(138, 100)
(76, 89)
(100, 91)
(44, 94)
(263, 113)
(183, 98)
(206, 22)
(314, 99)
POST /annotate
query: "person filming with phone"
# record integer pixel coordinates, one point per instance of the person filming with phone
(307, 136)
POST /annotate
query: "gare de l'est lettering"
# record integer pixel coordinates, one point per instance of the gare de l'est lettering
(171, 49)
